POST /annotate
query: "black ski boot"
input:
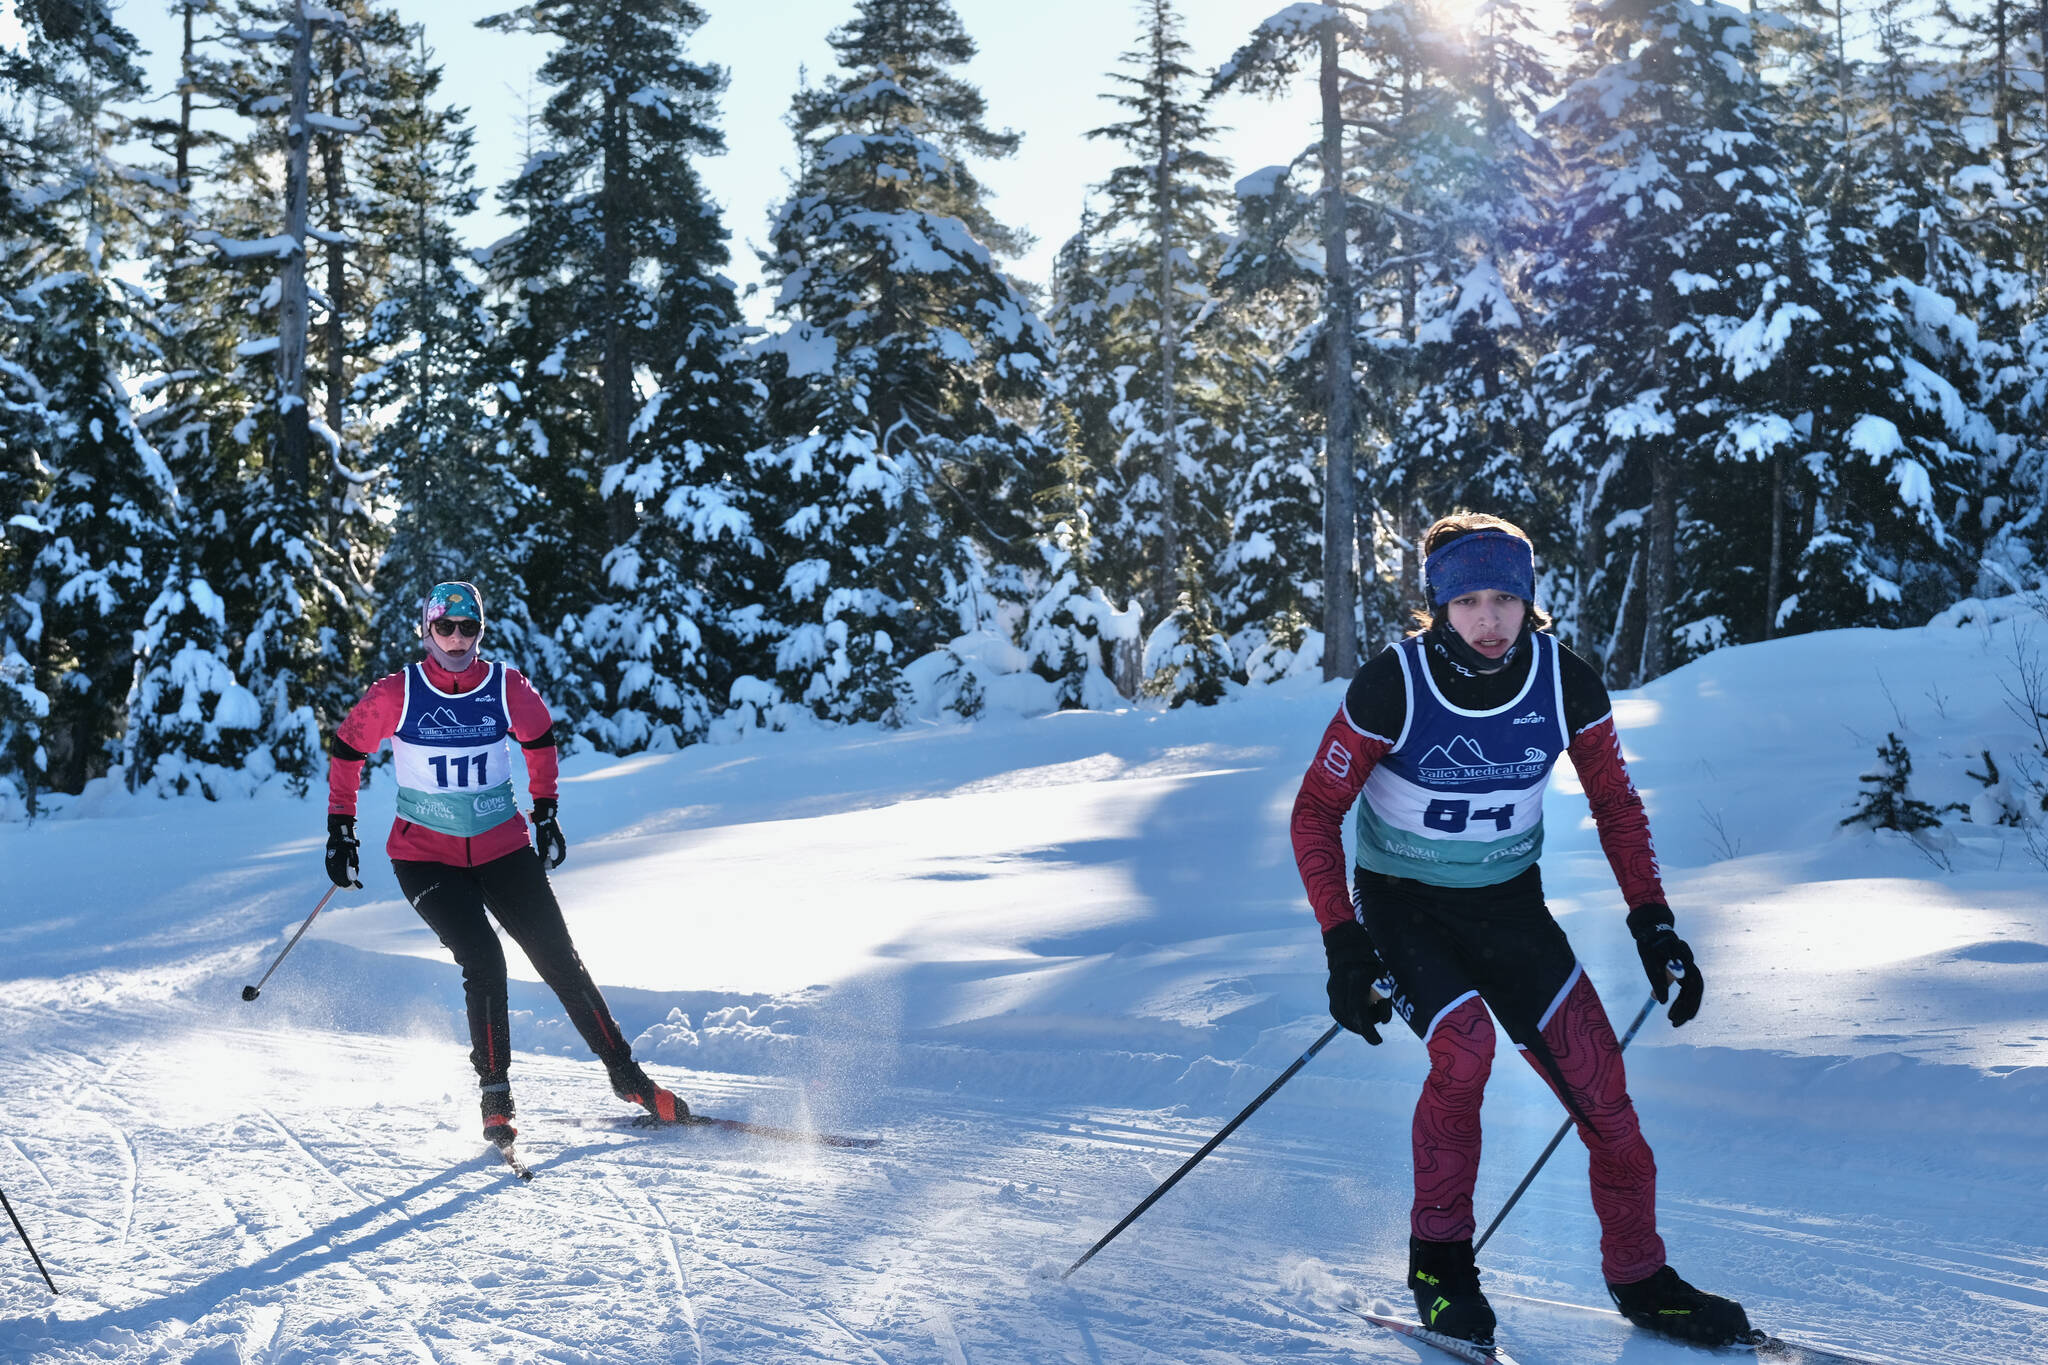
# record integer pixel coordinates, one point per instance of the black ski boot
(1446, 1286)
(498, 1112)
(1664, 1303)
(632, 1085)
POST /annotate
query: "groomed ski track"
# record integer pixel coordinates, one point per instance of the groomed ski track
(364, 1227)
(1098, 955)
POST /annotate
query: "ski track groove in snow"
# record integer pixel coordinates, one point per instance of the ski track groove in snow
(808, 1309)
(29, 1161)
(2016, 1289)
(671, 1246)
(131, 1172)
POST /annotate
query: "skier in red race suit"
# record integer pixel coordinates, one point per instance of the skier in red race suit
(1450, 736)
(459, 845)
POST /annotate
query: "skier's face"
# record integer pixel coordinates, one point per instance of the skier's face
(1488, 620)
(455, 637)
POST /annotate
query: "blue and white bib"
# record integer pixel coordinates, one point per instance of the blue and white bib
(453, 759)
(1459, 799)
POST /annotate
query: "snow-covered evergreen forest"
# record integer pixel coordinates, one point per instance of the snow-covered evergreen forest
(1738, 309)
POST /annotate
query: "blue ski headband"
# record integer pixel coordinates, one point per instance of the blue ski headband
(1479, 560)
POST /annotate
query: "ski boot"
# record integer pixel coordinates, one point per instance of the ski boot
(1446, 1285)
(498, 1111)
(632, 1085)
(1664, 1303)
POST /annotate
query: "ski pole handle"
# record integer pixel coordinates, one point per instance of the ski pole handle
(251, 992)
(1641, 1014)
(1211, 1145)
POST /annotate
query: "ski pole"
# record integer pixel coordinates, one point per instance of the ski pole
(26, 1242)
(251, 992)
(1641, 1015)
(1207, 1147)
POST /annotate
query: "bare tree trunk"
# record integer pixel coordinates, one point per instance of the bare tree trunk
(184, 144)
(337, 275)
(616, 368)
(1660, 579)
(291, 472)
(1168, 568)
(1774, 580)
(1625, 644)
(1592, 558)
(1340, 585)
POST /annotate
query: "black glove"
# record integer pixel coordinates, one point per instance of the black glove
(341, 851)
(1665, 956)
(547, 832)
(1355, 967)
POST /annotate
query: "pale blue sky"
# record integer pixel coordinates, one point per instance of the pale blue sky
(1041, 65)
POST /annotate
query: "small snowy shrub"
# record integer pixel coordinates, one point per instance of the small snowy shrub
(1186, 657)
(1886, 805)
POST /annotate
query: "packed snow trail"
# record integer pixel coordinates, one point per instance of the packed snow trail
(1043, 960)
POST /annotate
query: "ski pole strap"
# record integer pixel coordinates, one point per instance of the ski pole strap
(1566, 1127)
(26, 1242)
(1211, 1145)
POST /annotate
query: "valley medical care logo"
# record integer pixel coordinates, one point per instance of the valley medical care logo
(440, 726)
(1462, 761)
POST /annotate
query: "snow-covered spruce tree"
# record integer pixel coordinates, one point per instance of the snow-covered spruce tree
(1270, 577)
(191, 725)
(1079, 424)
(1879, 373)
(286, 565)
(454, 505)
(899, 463)
(1073, 630)
(681, 628)
(612, 274)
(1665, 232)
(32, 158)
(1160, 218)
(1463, 171)
(1278, 51)
(1999, 106)
(1186, 657)
(1269, 585)
(101, 530)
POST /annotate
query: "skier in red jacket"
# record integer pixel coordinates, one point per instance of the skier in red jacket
(459, 845)
(1450, 737)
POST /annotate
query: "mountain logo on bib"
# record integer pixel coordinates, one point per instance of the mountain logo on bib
(1463, 761)
(442, 726)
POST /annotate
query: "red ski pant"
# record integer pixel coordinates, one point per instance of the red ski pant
(1581, 1040)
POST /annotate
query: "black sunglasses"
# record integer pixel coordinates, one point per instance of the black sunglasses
(447, 627)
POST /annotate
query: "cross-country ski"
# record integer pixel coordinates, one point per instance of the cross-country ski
(1457, 1347)
(726, 1125)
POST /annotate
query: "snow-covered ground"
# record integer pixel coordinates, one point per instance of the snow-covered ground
(1042, 959)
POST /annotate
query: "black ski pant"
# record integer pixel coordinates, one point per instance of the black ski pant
(514, 888)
